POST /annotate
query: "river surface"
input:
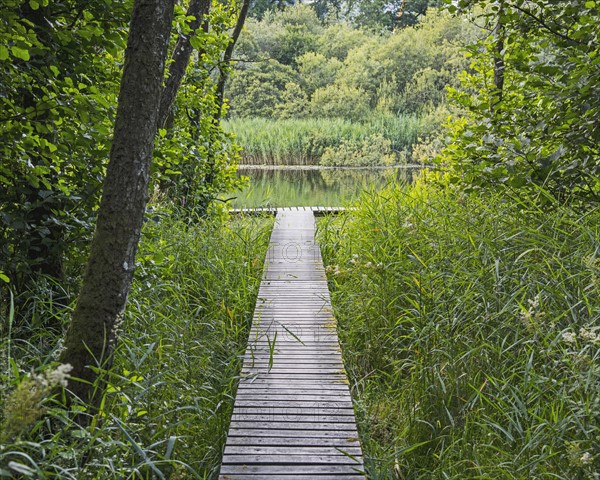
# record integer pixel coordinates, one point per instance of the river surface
(291, 187)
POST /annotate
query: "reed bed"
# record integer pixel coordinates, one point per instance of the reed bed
(470, 329)
(304, 141)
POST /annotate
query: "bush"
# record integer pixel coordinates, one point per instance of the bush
(373, 150)
(340, 101)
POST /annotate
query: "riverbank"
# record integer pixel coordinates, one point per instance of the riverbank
(379, 141)
(321, 167)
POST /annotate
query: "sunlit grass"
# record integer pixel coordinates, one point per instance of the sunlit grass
(471, 334)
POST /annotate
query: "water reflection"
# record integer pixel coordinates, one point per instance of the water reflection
(323, 187)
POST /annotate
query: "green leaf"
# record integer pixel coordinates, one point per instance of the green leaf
(590, 4)
(3, 52)
(54, 70)
(21, 53)
(4, 278)
(34, 5)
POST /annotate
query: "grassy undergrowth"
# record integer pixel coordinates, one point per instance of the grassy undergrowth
(471, 333)
(171, 388)
(325, 141)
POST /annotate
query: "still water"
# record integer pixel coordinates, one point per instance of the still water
(323, 187)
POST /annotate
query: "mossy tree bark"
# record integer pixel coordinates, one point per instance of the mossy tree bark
(92, 335)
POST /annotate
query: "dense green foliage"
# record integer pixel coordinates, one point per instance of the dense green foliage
(57, 104)
(170, 391)
(470, 333)
(294, 66)
(540, 125)
(59, 77)
(335, 70)
(372, 14)
(468, 305)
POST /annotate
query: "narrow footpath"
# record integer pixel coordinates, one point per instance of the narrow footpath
(293, 415)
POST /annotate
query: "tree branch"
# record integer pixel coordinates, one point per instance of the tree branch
(180, 59)
(544, 25)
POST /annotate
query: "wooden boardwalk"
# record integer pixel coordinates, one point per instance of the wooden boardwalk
(274, 210)
(293, 416)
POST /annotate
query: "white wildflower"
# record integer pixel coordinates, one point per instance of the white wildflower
(586, 458)
(368, 265)
(534, 302)
(531, 317)
(59, 375)
(569, 337)
(589, 335)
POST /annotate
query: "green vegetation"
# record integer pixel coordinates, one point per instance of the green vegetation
(171, 387)
(322, 141)
(469, 327)
(468, 304)
(295, 68)
(531, 101)
(59, 80)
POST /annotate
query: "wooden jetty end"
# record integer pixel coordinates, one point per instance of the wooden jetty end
(318, 211)
(293, 416)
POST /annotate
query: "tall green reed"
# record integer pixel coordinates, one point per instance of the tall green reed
(304, 141)
(471, 333)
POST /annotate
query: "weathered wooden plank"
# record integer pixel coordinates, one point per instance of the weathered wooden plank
(286, 469)
(348, 428)
(323, 405)
(291, 450)
(301, 370)
(298, 379)
(254, 433)
(268, 396)
(287, 459)
(313, 476)
(292, 417)
(273, 441)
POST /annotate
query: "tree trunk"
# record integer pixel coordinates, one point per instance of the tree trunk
(225, 65)
(499, 66)
(92, 335)
(180, 59)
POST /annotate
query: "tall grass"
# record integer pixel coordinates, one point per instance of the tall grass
(170, 391)
(471, 333)
(304, 141)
